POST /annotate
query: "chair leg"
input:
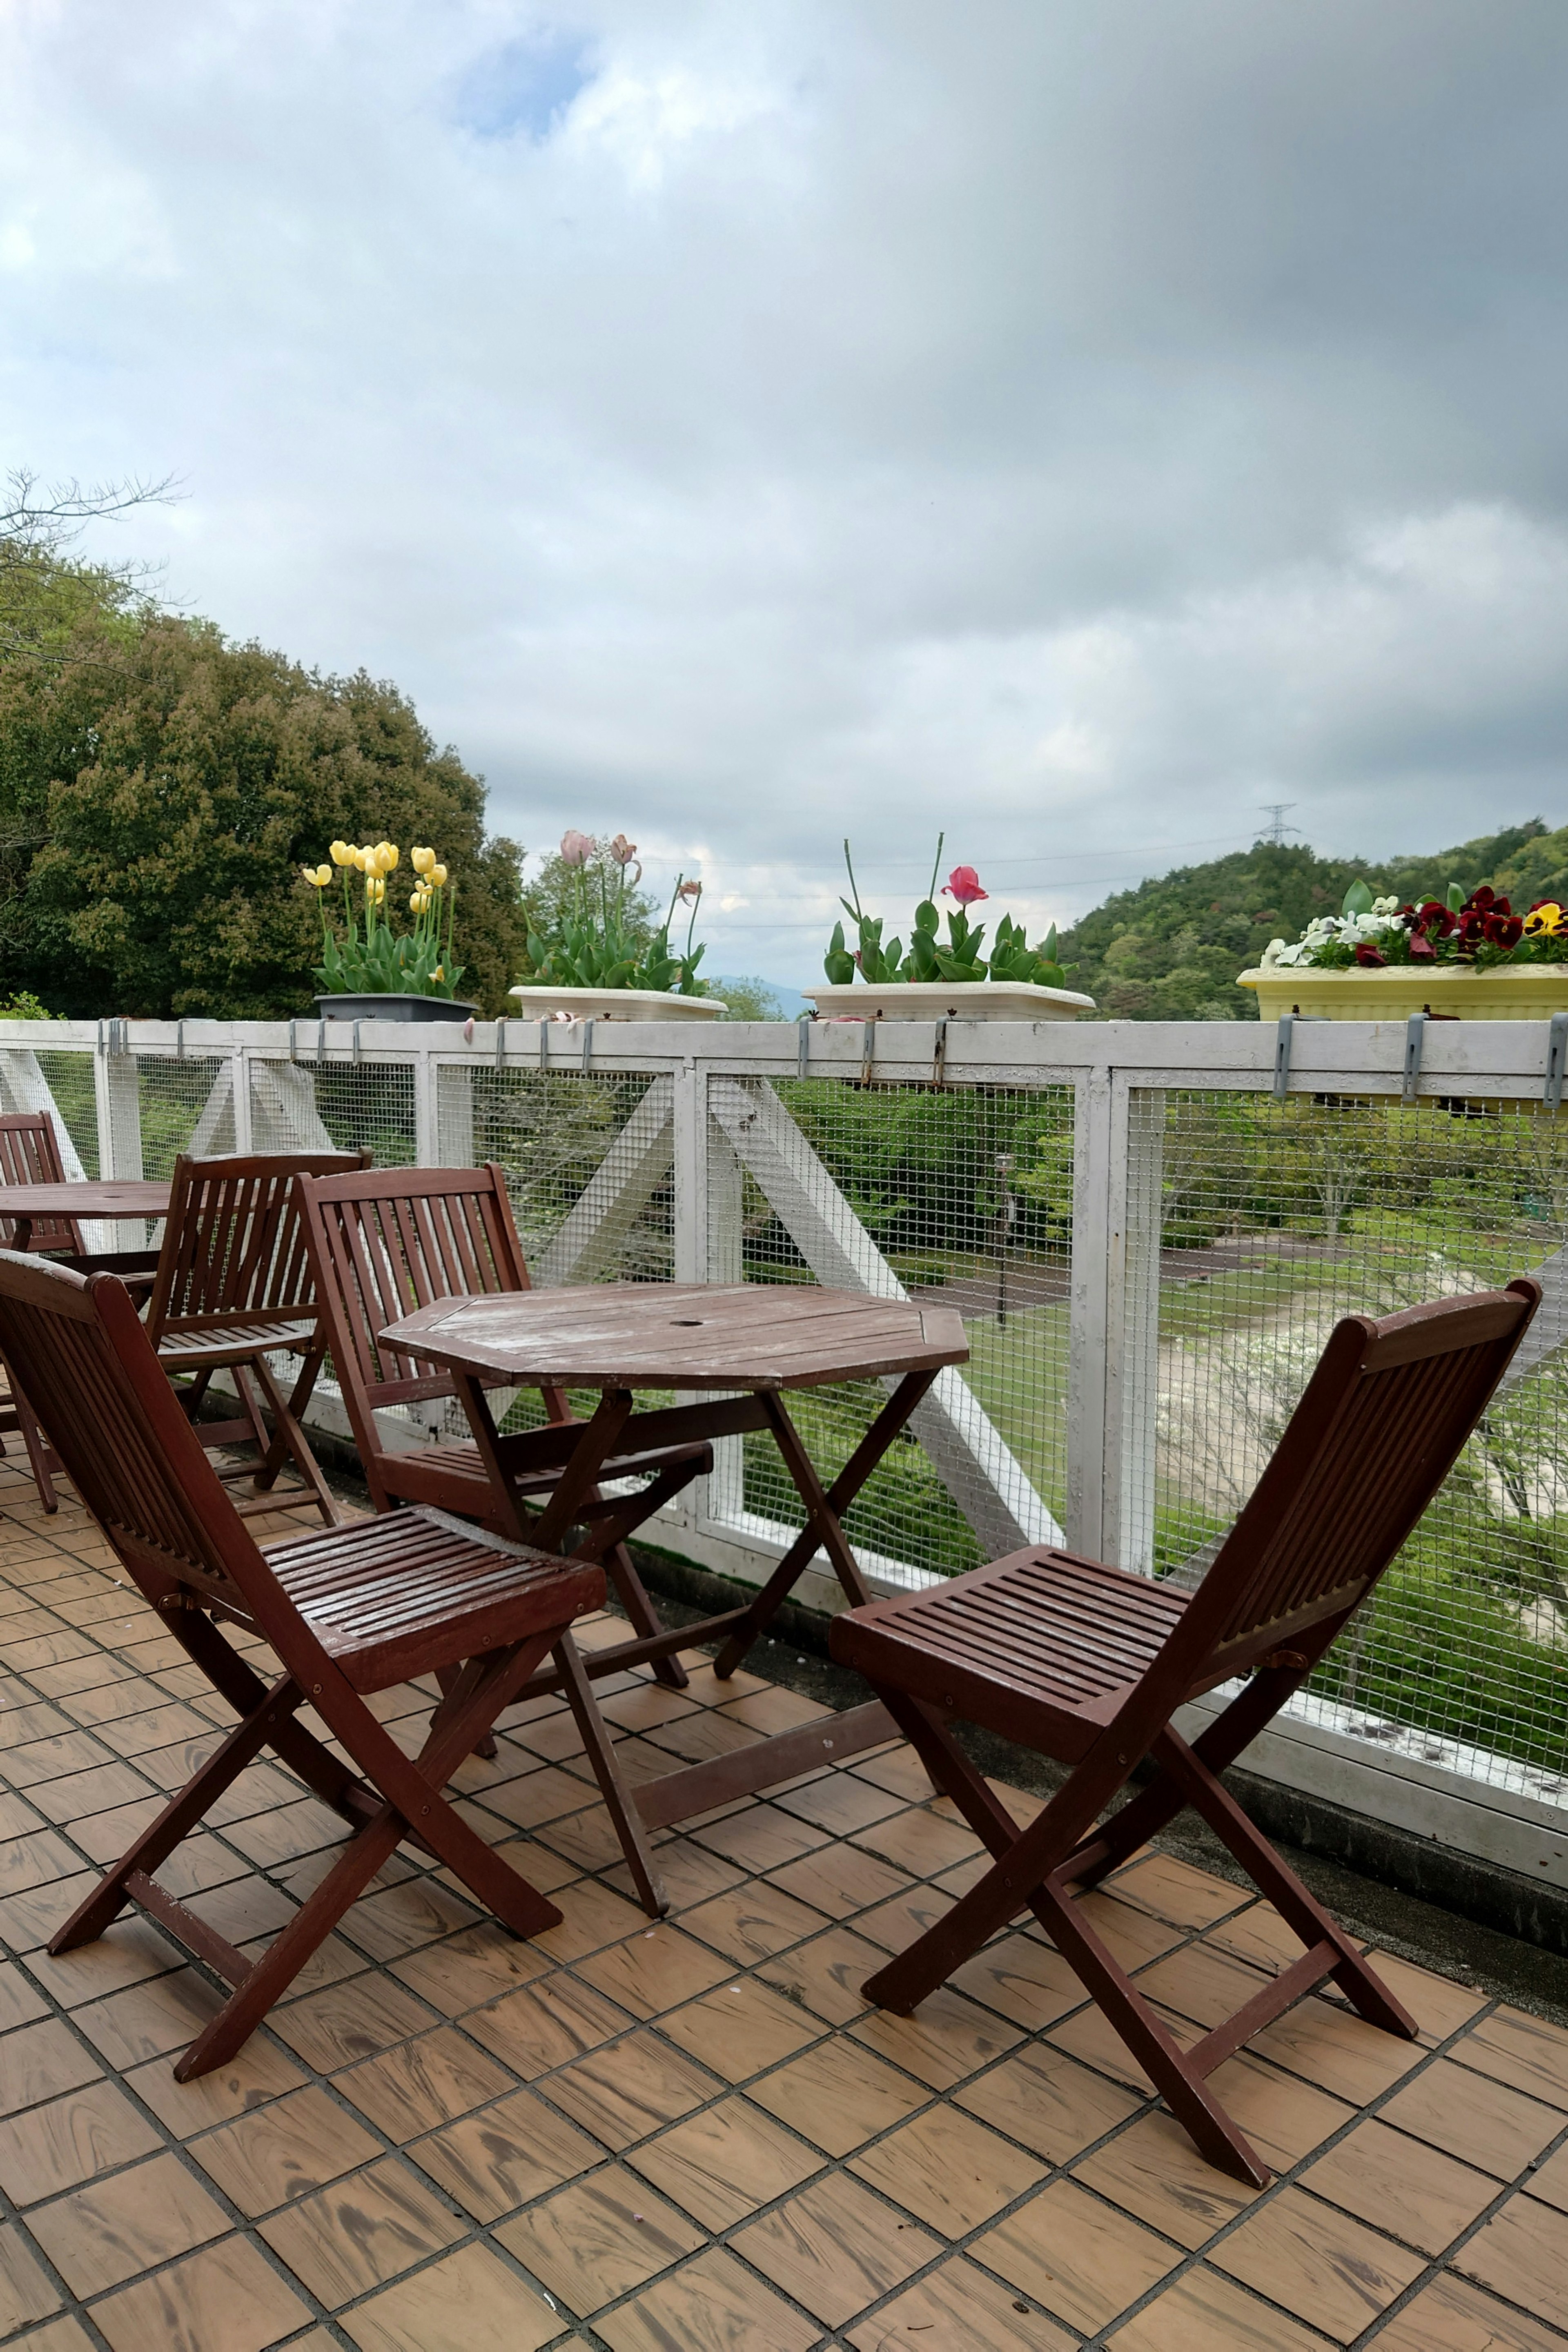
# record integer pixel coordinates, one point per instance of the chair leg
(40, 1460)
(448, 1679)
(485, 1687)
(179, 1816)
(619, 1803)
(632, 1594)
(292, 1437)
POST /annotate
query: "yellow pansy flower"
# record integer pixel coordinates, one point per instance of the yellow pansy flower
(1544, 921)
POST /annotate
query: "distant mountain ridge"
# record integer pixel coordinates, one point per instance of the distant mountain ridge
(1171, 949)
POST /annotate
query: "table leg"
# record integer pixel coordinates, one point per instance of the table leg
(824, 1512)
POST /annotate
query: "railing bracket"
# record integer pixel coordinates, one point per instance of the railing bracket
(1282, 1050)
(1556, 1061)
(803, 1045)
(587, 1046)
(1414, 1038)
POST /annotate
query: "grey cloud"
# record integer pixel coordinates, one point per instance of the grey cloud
(1072, 424)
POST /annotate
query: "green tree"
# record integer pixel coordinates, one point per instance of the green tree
(160, 788)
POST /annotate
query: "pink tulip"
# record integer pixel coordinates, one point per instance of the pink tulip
(690, 890)
(622, 850)
(576, 848)
(964, 884)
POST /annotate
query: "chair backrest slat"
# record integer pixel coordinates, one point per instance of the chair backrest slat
(233, 1248)
(86, 1365)
(30, 1154)
(1380, 1425)
(386, 1241)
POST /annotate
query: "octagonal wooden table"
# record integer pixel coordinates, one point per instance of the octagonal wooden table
(760, 1340)
(85, 1199)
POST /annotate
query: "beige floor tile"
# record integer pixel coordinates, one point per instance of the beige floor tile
(700, 1734)
(597, 2239)
(725, 2163)
(1084, 2261)
(1048, 2101)
(690, 1874)
(752, 1922)
(948, 2170)
(469, 1968)
(41, 2062)
(1412, 2190)
(593, 1915)
(505, 2155)
(103, 2234)
(742, 2027)
(1439, 2007)
(227, 2299)
(467, 2302)
(826, 1975)
(838, 1802)
(622, 2093)
(544, 1795)
(1199, 1982)
(1134, 1936)
(1525, 2052)
(26, 2292)
(356, 2019)
(261, 2071)
(711, 2306)
(284, 2150)
(835, 2248)
(35, 1861)
(840, 1880)
(79, 1796)
(543, 2025)
(1151, 2169)
(345, 2240)
(1522, 2254)
(58, 2145)
(899, 1770)
(1205, 2312)
(63, 2335)
(1478, 2120)
(656, 1970)
(761, 1838)
(1337, 2051)
(838, 2097)
(417, 2084)
(775, 1709)
(1025, 1980)
(150, 2020)
(948, 2039)
(918, 1841)
(1283, 2117)
(1308, 2257)
(1551, 2181)
(396, 1920)
(1452, 2315)
(959, 2308)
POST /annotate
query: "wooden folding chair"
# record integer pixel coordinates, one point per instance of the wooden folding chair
(1089, 1664)
(348, 1610)
(30, 1154)
(397, 1238)
(234, 1286)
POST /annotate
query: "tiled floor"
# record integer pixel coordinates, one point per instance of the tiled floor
(694, 2134)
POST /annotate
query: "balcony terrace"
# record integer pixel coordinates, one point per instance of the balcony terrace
(693, 2135)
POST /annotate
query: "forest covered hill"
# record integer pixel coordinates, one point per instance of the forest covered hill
(1171, 949)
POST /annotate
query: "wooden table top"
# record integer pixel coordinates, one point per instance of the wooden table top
(684, 1335)
(128, 1197)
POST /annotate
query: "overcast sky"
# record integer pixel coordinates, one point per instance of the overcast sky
(1074, 423)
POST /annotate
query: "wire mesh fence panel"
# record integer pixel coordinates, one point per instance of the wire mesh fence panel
(184, 1105)
(368, 1106)
(1274, 1219)
(961, 1197)
(70, 1080)
(594, 1149)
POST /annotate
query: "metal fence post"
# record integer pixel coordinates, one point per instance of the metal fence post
(1089, 1321)
(1133, 1360)
(427, 1124)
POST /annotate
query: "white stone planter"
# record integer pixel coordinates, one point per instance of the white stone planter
(613, 1004)
(934, 999)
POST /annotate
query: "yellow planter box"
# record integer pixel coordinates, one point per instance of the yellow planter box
(1526, 992)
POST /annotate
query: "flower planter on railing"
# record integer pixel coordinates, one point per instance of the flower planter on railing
(544, 1003)
(936, 999)
(1528, 992)
(392, 1007)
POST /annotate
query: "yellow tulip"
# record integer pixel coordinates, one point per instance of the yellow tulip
(374, 889)
(341, 854)
(437, 876)
(356, 858)
(319, 876)
(421, 860)
(387, 855)
(418, 900)
(440, 971)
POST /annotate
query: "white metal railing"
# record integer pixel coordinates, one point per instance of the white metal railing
(1204, 1198)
